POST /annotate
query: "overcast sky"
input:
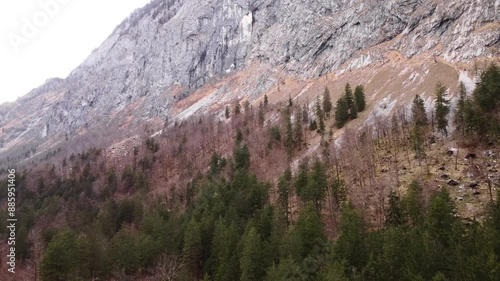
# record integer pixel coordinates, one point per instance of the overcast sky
(49, 38)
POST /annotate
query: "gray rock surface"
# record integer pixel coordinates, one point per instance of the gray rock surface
(168, 49)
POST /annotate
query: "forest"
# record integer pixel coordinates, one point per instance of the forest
(253, 205)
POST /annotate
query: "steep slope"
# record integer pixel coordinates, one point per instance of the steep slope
(167, 50)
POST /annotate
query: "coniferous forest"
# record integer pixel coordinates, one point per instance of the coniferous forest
(330, 216)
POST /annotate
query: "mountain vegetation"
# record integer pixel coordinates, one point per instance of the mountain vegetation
(241, 199)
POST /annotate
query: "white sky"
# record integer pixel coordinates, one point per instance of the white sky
(67, 32)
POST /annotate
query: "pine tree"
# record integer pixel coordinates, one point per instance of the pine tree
(341, 113)
(227, 112)
(320, 116)
(359, 98)
(442, 108)
(266, 101)
(290, 101)
(327, 102)
(418, 111)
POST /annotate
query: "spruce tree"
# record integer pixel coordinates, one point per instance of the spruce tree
(394, 215)
(305, 114)
(301, 178)
(417, 139)
(418, 111)
(353, 112)
(287, 269)
(487, 92)
(440, 218)
(327, 102)
(261, 117)
(284, 195)
(320, 116)
(59, 260)
(442, 108)
(297, 130)
(225, 251)
(251, 265)
(313, 126)
(241, 157)
(487, 104)
(473, 118)
(460, 111)
(359, 98)
(308, 234)
(237, 108)
(413, 203)
(266, 101)
(349, 98)
(227, 112)
(351, 244)
(288, 135)
(193, 248)
(317, 184)
(341, 113)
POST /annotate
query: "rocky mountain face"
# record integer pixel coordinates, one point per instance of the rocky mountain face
(166, 51)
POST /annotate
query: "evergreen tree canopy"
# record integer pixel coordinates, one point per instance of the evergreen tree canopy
(341, 113)
(321, 117)
(359, 98)
(252, 268)
(442, 108)
(418, 111)
(394, 215)
(193, 247)
(460, 110)
(327, 102)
